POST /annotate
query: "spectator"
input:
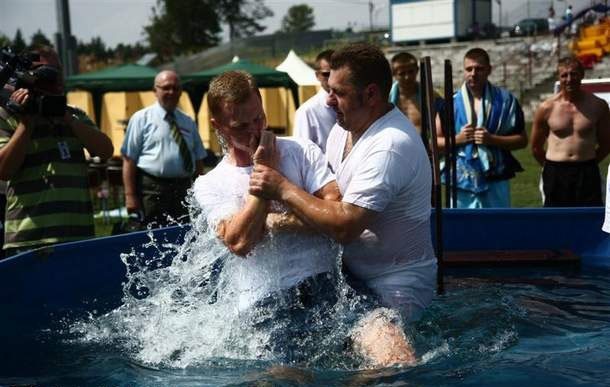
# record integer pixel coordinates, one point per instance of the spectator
(162, 152)
(551, 19)
(42, 159)
(488, 124)
(405, 93)
(575, 125)
(314, 119)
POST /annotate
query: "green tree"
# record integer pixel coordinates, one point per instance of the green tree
(18, 42)
(180, 27)
(243, 16)
(39, 39)
(96, 47)
(4, 40)
(299, 18)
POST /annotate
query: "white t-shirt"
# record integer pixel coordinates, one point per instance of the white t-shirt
(388, 171)
(606, 225)
(282, 260)
(314, 119)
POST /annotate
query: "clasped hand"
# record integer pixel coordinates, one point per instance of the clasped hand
(265, 180)
(469, 133)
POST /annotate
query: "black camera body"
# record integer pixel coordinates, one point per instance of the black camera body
(17, 72)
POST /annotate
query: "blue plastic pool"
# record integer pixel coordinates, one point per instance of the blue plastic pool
(503, 327)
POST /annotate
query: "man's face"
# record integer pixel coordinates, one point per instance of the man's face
(569, 78)
(241, 124)
(168, 91)
(322, 73)
(405, 73)
(346, 100)
(476, 73)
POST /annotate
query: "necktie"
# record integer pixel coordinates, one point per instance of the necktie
(185, 153)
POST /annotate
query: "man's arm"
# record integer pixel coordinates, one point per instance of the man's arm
(241, 231)
(342, 221)
(509, 142)
(540, 132)
(13, 152)
(130, 169)
(96, 142)
(465, 135)
(603, 133)
(290, 222)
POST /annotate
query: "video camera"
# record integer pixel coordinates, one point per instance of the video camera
(17, 72)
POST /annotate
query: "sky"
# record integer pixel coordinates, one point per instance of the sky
(122, 21)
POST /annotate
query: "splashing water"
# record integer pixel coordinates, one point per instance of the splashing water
(186, 304)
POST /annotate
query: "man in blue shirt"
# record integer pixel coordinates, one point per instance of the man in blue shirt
(162, 152)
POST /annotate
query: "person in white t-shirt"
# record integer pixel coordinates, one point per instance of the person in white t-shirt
(241, 220)
(314, 118)
(383, 219)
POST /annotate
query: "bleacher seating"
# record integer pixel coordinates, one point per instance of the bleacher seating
(592, 43)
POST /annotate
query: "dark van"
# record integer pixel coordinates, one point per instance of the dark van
(529, 27)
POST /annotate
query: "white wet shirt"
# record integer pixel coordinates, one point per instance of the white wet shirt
(282, 260)
(314, 119)
(388, 171)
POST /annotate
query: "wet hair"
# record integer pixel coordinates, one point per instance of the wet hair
(405, 57)
(367, 65)
(324, 55)
(478, 54)
(571, 61)
(233, 86)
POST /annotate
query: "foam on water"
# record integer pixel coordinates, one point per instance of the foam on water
(184, 305)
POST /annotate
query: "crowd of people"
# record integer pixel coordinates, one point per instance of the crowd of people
(356, 171)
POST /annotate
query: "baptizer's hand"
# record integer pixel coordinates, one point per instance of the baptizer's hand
(266, 152)
(266, 182)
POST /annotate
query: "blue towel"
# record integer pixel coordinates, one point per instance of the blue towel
(501, 115)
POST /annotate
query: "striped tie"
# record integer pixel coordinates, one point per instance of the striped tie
(185, 153)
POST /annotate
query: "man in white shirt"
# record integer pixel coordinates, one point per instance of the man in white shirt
(383, 220)
(279, 263)
(315, 118)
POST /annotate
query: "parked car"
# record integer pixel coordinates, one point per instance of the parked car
(529, 27)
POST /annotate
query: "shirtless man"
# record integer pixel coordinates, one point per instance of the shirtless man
(405, 92)
(575, 125)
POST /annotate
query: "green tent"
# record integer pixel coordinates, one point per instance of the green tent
(197, 83)
(129, 77)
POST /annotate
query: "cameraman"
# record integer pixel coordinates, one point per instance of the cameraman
(42, 158)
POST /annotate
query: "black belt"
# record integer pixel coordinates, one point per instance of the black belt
(165, 180)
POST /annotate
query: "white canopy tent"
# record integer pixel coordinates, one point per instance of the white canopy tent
(299, 71)
(302, 75)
